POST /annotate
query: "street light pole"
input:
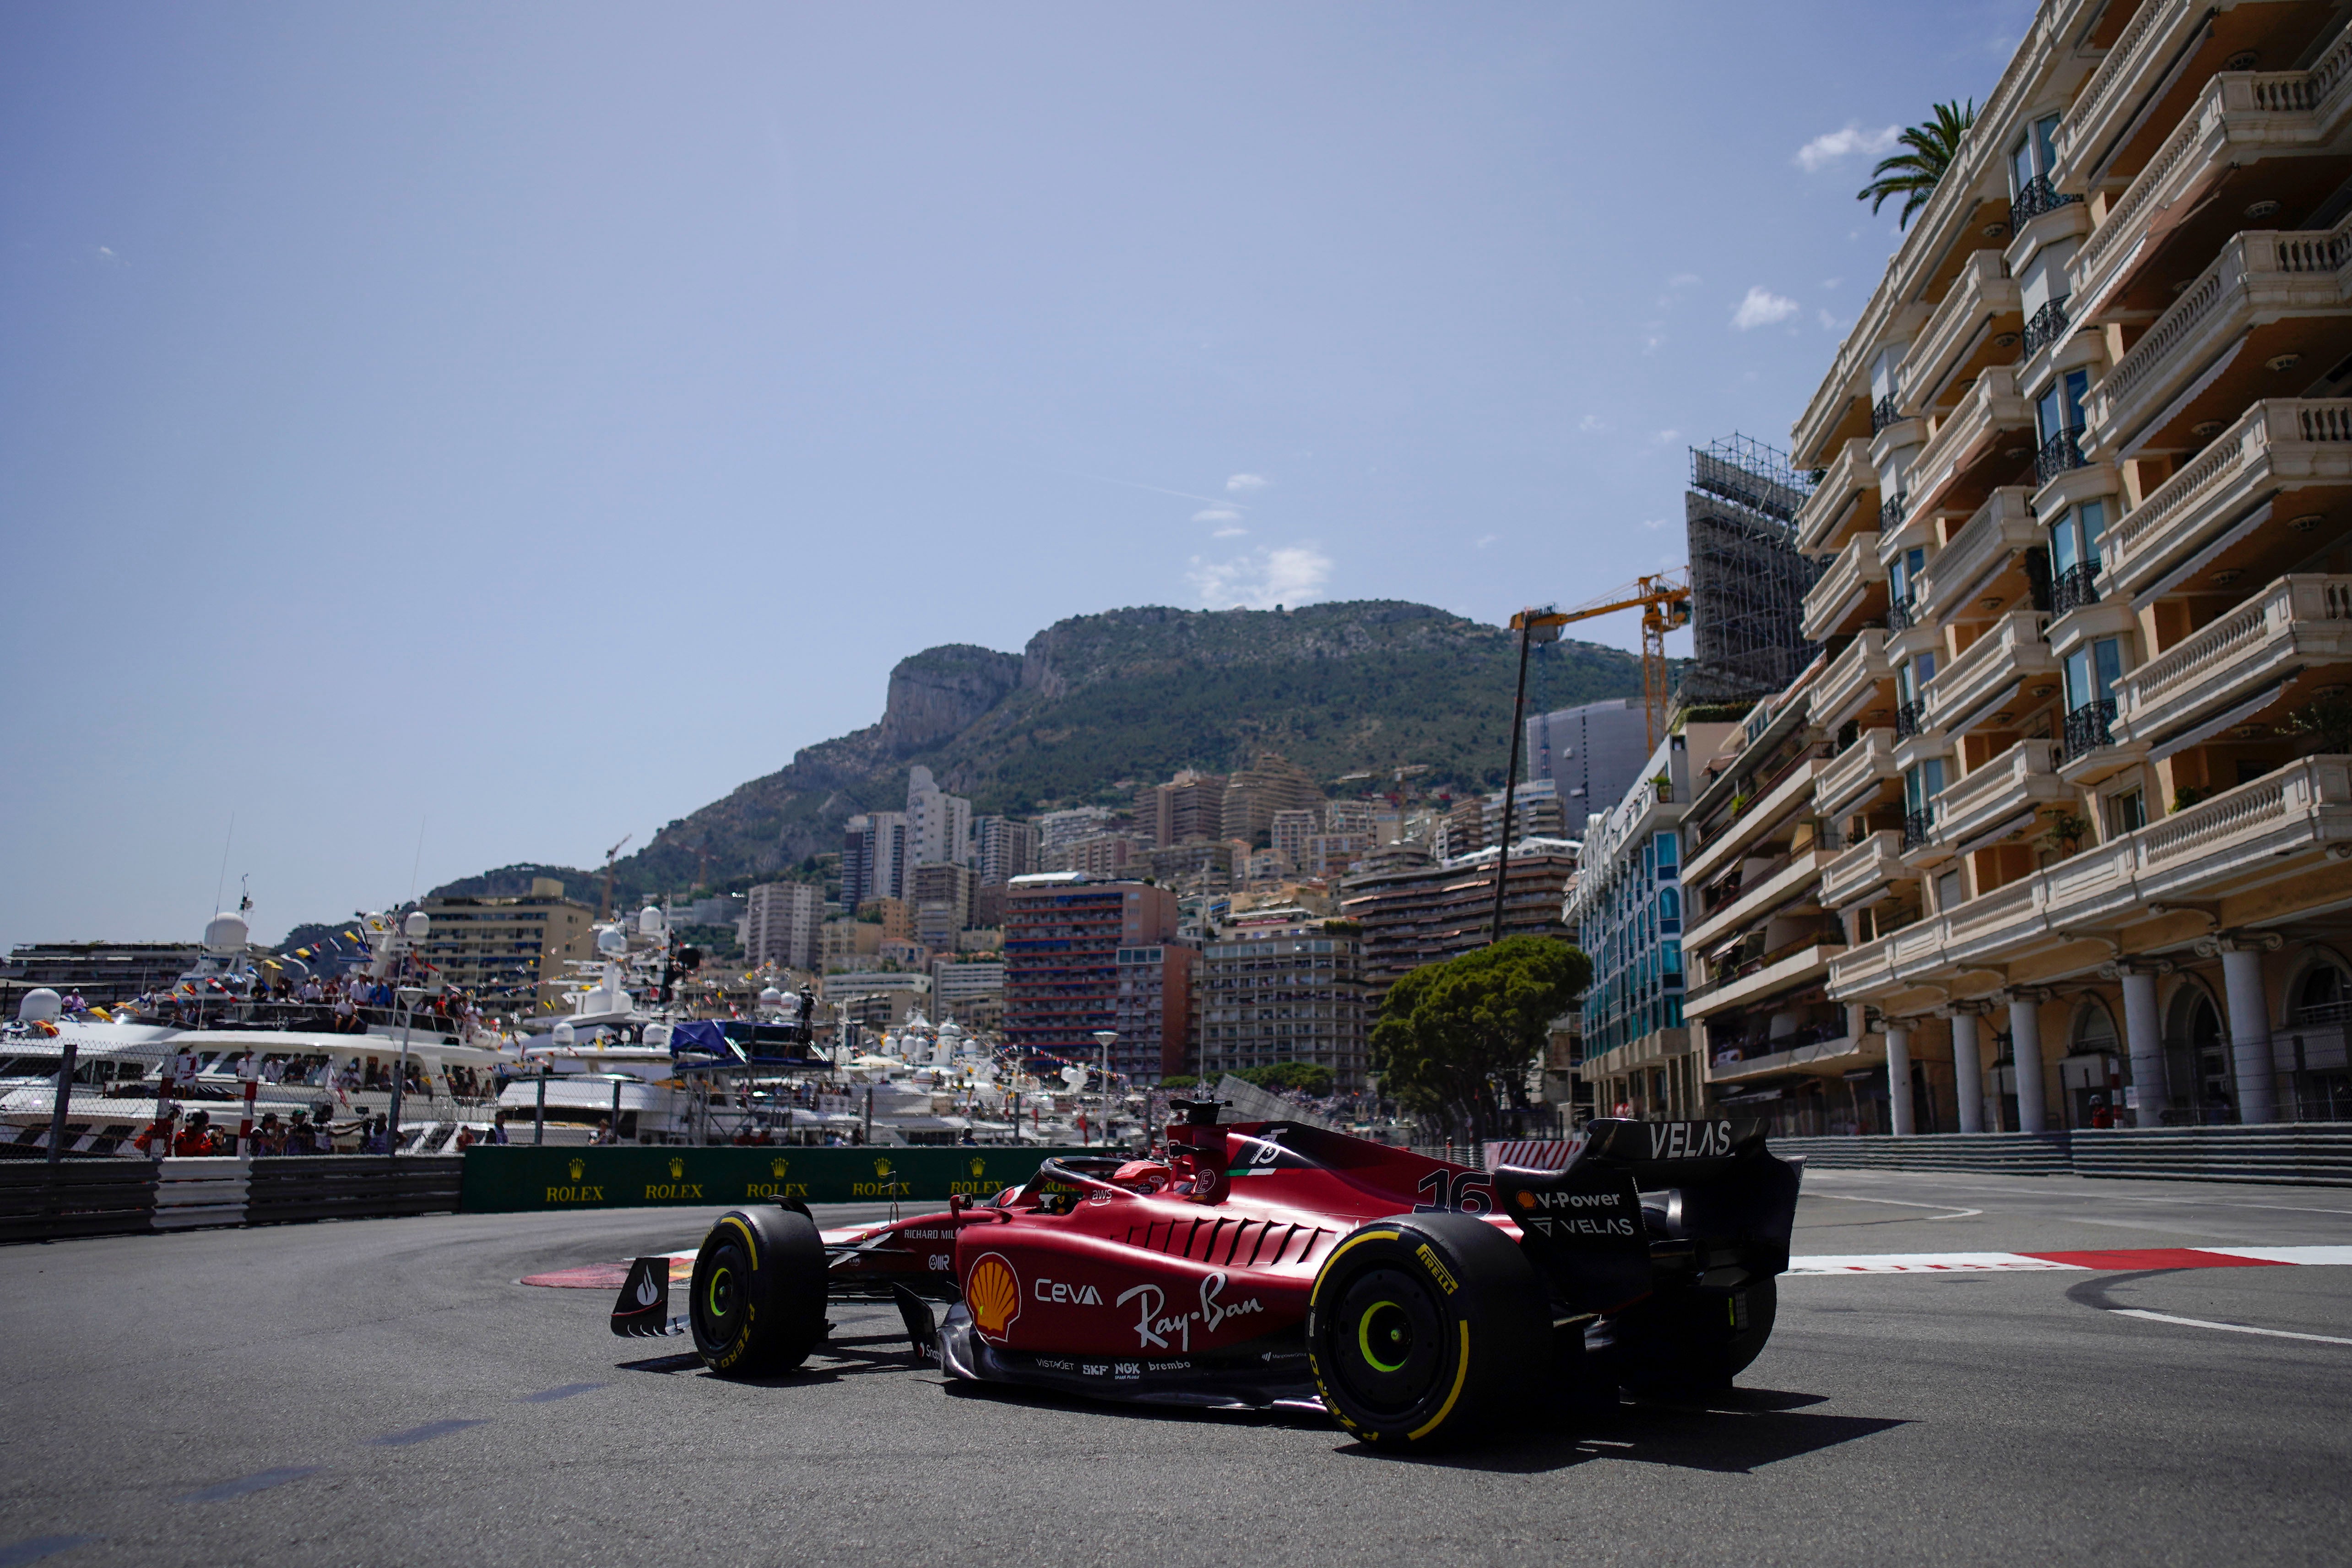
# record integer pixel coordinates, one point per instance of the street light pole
(1533, 626)
(1106, 1038)
(415, 928)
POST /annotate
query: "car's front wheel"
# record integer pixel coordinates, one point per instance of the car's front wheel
(757, 1302)
(1425, 1327)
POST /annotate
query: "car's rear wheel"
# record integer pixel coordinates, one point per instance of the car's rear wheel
(1425, 1327)
(757, 1300)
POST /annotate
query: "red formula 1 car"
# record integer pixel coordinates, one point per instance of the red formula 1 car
(1270, 1263)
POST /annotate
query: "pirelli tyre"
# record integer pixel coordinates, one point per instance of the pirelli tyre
(756, 1305)
(1426, 1327)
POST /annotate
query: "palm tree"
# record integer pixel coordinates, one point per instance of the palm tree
(1913, 174)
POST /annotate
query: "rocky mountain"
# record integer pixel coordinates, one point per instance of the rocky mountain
(1097, 704)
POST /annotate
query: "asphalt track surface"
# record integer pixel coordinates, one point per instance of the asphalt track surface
(384, 1392)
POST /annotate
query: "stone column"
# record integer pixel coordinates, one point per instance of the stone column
(1898, 1080)
(1968, 1075)
(2144, 1039)
(2025, 1044)
(2250, 1024)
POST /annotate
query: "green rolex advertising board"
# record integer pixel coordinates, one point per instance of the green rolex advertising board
(502, 1180)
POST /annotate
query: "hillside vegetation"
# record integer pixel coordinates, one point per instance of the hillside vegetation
(1097, 704)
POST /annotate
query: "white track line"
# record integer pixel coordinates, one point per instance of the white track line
(2225, 1328)
(1901, 1204)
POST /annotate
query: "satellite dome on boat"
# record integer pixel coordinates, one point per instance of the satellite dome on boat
(611, 939)
(564, 1034)
(39, 1006)
(226, 933)
(649, 921)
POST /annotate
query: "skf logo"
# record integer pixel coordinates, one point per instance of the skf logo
(1437, 1271)
(676, 1169)
(578, 1168)
(777, 1168)
(994, 1292)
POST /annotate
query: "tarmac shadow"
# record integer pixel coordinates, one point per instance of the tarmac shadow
(1733, 1433)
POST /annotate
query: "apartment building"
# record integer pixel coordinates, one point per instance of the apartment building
(941, 894)
(970, 989)
(506, 947)
(2086, 515)
(875, 855)
(1082, 955)
(1426, 914)
(1591, 754)
(1627, 907)
(1288, 832)
(1284, 985)
(842, 944)
(1254, 795)
(784, 923)
(1187, 809)
(939, 824)
(1003, 849)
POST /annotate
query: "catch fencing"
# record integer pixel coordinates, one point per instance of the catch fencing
(2288, 1154)
(518, 1177)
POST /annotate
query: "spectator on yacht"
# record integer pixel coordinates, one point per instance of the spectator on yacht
(268, 1139)
(195, 1139)
(161, 1131)
(377, 1137)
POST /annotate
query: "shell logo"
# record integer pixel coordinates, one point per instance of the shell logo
(1527, 1200)
(882, 1169)
(994, 1292)
(676, 1169)
(578, 1169)
(776, 1168)
(979, 1166)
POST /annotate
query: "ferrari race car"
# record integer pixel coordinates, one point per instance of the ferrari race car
(1278, 1264)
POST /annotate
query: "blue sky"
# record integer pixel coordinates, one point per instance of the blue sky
(440, 436)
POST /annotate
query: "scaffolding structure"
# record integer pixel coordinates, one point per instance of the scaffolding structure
(1747, 582)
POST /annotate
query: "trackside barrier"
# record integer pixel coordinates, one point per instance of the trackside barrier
(41, 1202)
(516, 1177)
(2289, 1154)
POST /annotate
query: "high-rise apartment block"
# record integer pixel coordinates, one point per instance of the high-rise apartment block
(2060, 815)
(1289, 833)
(1004, 849)
(1423, 914)
(1283, 985)
(1256, 792)
(1187, 809)
(873, 857)
(1082, 956)
(1591, 754)
(506, 947)
(942, 903)
(939, 824)
(784, 923)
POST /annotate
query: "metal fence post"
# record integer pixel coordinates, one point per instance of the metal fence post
(65, 1098)
(539, 1120)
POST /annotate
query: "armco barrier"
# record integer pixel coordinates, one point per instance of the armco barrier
(1988, 1153)
(351, 1186)
(505, 1179)
(41, 1202)
(2291, 1154)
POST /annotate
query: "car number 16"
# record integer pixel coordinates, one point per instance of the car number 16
(1466, 1191)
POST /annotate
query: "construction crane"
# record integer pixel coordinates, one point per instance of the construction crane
(610, 855)
(1663, 599)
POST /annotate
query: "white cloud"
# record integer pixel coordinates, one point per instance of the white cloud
(1682, 279)
(1216, 514)
(1291, 574)
(1761, 308)
(1823, 151)
(1242, 484)
(1829, 322)
(1484, 540)
(1228, 533)
(1665, 437)
(1654, 523)
(1593, 425)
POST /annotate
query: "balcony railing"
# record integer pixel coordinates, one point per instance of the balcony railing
(2076, 586)
(1919, 830)
(2048, 324)
(1908, 719)
(1890, 511)
(2038, 196)
(2063, 452)
(1898, 615)
(2298, 622)
(2087, 727)
(2276, 441)
(1883, 414)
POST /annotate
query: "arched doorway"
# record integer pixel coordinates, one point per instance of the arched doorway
(2314, 1045)
(2092, 1067)
(2196, 1058)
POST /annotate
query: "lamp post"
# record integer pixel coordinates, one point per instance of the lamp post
(1106, 1038)
(415, 928)
(1534, 626)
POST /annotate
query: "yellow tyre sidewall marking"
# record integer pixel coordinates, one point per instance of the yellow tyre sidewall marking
(1460, 1374)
